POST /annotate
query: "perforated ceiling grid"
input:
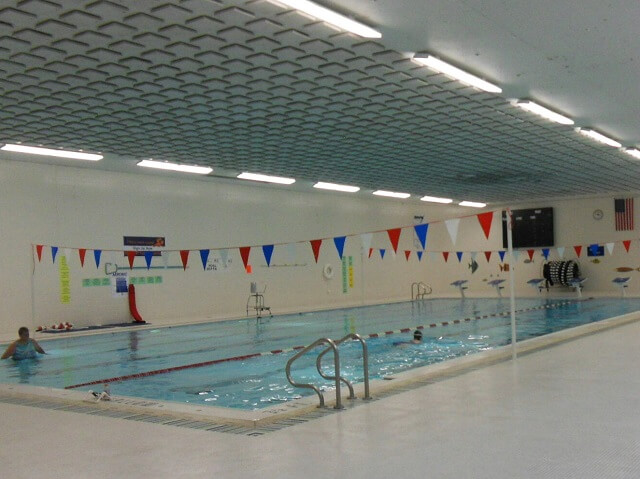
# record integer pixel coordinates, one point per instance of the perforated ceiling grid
(252, 86)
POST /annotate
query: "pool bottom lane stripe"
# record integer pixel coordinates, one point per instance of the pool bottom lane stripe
(297, 348)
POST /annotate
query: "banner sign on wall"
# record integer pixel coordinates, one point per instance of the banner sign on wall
(142, 244)
(65, 280)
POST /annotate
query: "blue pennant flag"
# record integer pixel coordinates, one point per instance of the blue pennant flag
(204, 256)
(419, 253)
(268, 251)
(96, 256)
(339, 242)
(382, 252)
(54, 252)
(545, 253)
(501, 254)
(593, 249)
(421, 233)
(147, 257)
(459, 255)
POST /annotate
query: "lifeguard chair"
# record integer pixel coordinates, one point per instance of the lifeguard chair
(255, 301)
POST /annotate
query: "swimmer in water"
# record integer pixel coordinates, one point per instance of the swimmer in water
(23, 348)
(417, 339)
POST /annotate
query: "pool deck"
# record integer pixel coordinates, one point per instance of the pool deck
(564, 411)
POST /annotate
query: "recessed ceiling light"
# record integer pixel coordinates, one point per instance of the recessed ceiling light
(598, 137)
(455, 72)
(266, 178)
(334, 18)
(435, 199)
(473, 204)
(543, 112)
(633, 152)
(33, 150)
(391, 194)
(165, 165)
(333, 186)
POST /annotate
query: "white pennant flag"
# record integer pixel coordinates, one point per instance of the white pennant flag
(165, 258)
(473, 255)
(366, 241)
(561, 252)
(292, 252)
(452, 228)
(610, 248)
(516, 255)
(434, 255)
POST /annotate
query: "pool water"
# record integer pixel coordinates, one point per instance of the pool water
(260, 381)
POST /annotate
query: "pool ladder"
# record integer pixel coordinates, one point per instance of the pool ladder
(333, 345)
(419, 290)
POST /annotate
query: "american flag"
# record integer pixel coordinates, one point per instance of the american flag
(624, 214)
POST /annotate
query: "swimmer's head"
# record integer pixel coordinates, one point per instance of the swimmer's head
(23, 332)
(417, 335)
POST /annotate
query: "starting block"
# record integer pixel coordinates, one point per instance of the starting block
(576, 283)
(537, 283)
(460, 284)
(496, 284)
(622, 283)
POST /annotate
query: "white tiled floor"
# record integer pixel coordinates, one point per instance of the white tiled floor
(570, 411)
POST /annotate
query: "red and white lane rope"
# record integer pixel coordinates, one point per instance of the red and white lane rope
(297, 348)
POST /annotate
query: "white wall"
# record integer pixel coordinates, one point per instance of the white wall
(86, 208)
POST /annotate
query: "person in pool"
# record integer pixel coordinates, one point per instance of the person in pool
(417, 339)
(24, 347)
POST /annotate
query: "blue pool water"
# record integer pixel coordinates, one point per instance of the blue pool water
(260, 382)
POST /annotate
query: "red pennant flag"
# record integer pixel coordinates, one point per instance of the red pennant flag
(407, 253)
(627, 244)
(315, 246)
(370, 252)
(244, 253)
(131, 255)
(184, 256)
(530, 252)
(81, 253)
(485, 220)
(39, 251)
(487, 254)
(394, 237)
(446, 256)
(578, 250)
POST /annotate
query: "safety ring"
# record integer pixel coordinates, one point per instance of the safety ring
(327, 271)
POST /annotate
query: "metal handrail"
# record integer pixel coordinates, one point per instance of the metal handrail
(365, 365)
(420, 289)
(336, 361)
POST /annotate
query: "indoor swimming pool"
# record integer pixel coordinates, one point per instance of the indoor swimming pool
(244, 368)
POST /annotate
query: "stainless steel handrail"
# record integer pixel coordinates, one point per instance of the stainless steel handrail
(336, 361)
(365, 364)
(420, 289)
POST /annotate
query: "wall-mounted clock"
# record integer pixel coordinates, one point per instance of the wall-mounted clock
(597, 214)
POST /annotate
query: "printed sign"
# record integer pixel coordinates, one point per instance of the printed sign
(140, 244)
(65, 280)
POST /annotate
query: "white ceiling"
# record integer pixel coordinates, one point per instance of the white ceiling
(253, 86)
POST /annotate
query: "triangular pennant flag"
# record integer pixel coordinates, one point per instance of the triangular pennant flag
(627, 244)
(407, 253)
(434, 255)
(131, 255)
(485, 220)
(204, 256)
(501, 254)
(473, 255)
(394, 237)
(419, 253)
(96, 256)
(459, 255)
(610, 248)
(184, 257)
(545, 253)
(244, 254)
(530, 252)
(578, 250)
(593, 249)
(54, 252)
(560, 252)
(224, 256)
(487, 254)
(421, 233)
(370, 252)
(339, 242)
(292, 252)
(516, 255)
(452, 228)
(382, 252)
(39, 251)
(81, 253)
(148, 256)
(268, 251)
(67, 253)
(165, 258)
(315, 246)
(445, 254)
(366, 240)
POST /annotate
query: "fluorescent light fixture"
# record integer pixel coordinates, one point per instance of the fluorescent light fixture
(266, 178)
(333, 186)
(33, 150)
(599, 137)
(633, 152)
(391, 194)
(165, 165)
(329, 16)
(543, 112)
(473, 204)
(455, 73)
(435, 199)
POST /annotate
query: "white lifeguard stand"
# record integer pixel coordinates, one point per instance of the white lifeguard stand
(622, 283)
(256, 301)
(496, 283)
(460, 284)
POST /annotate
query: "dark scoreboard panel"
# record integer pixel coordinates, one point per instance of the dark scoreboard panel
(532, 228)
